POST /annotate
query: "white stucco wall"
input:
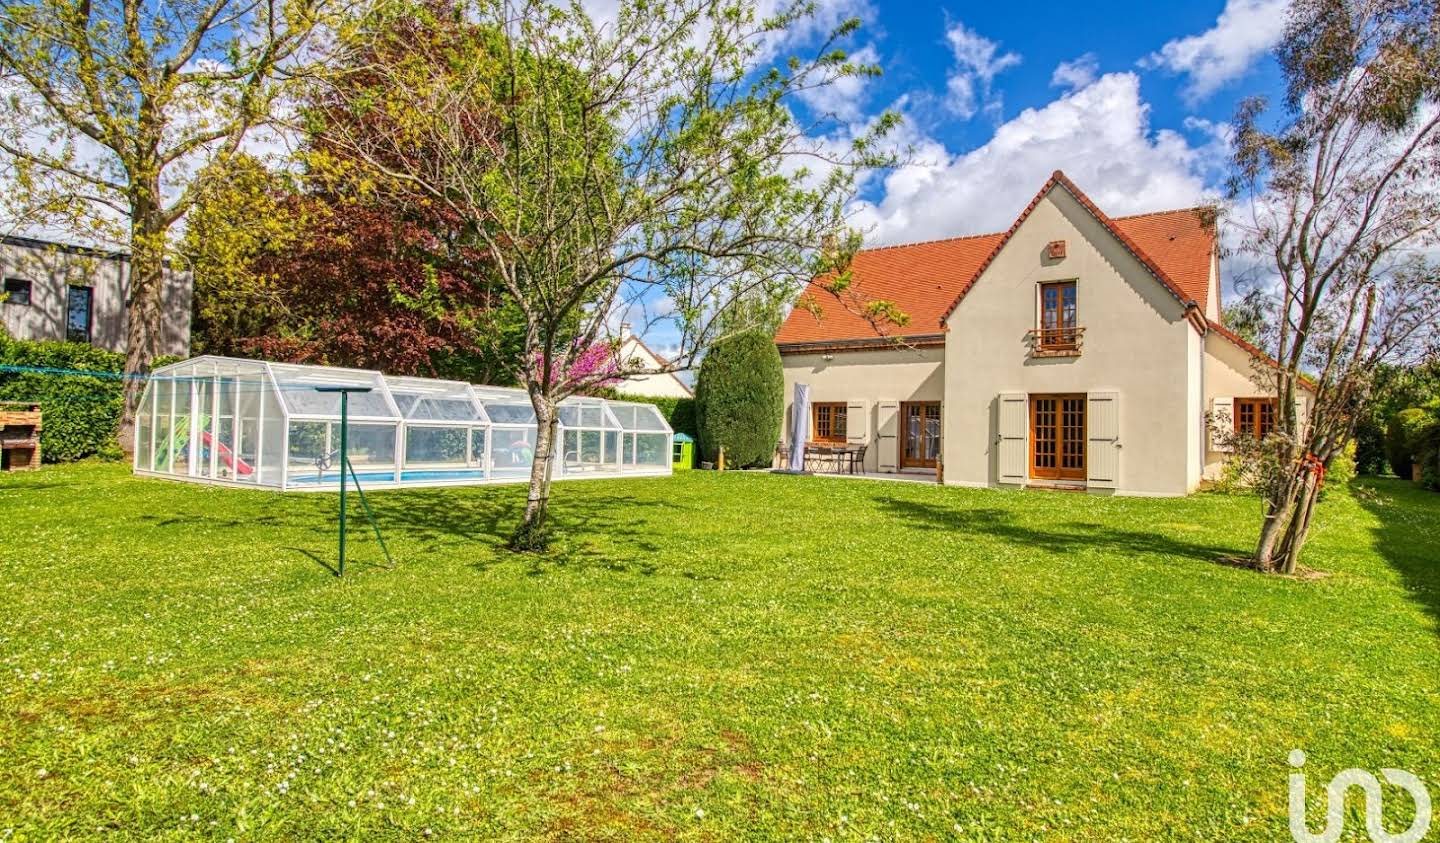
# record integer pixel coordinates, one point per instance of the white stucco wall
(1232, 372)
(869, 376)
(665, 384)
(1137, 342)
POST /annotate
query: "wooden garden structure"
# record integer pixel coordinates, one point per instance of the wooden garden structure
(19, 436)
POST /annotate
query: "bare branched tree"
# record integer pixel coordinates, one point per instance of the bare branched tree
(649, 164)
(1342, 208)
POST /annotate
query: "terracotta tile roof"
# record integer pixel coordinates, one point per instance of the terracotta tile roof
(926, 280)
(921, 278)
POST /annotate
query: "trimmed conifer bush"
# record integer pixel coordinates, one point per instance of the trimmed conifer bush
(740, 401)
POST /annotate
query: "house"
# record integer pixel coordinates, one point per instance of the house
(56, 291)
(654, 379)
(1074, 350)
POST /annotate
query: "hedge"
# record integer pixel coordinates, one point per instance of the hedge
(739, 400)
(679, 412)
(1403, 438)
(81, 413)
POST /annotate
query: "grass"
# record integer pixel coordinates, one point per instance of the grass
(703, 657)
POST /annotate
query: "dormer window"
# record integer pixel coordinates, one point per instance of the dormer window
(1059, 330)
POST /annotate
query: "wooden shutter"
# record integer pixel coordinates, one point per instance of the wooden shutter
(1013, 434)
(857, 422)
(1102, 454)
(887, 449)
(1222, 423)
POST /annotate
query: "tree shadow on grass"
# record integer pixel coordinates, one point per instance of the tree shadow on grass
(1405, 536)
(608, 531)
(592, 528)
(1056, 538)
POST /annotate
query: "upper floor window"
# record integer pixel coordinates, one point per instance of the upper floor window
(1254, 417)
(78, 306)
(17, 291)
(829, 421)
(1058, 326)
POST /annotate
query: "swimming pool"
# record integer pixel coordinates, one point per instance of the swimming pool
(409, 476)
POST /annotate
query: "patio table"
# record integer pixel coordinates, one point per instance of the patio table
(837, 454)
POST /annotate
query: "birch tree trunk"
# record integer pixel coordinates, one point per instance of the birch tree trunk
(534, 528)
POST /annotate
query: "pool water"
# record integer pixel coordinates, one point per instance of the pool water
(409, 476)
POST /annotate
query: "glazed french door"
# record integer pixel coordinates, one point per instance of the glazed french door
(1057, 437)
(920, 434)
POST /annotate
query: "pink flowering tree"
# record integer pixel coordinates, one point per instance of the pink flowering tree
(599, 166)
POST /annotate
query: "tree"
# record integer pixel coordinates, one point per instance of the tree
(1343, 208)
(1394, 388)
(117, 104)
(650, 161)
(315, 265)
(1247, 316)
(739, 399)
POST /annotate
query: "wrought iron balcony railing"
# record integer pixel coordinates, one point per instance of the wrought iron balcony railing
(1056, 342)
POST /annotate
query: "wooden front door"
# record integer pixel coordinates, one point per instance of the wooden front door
(1057, 437)
(919, 434)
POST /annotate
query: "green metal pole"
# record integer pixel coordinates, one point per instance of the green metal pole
(344, 463)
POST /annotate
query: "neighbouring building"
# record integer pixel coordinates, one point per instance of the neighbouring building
(55, 291)
(655, 378)
(1074, 350)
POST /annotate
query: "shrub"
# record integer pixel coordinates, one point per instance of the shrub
(1402, 436)
(1340, 471)
(1427, 451)
(679, 412)
(81, 413)
(739, 399)
(1370, 455)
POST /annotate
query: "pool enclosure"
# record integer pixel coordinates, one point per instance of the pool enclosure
(251, 423)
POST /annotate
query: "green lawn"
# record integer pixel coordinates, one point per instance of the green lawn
(704, 657)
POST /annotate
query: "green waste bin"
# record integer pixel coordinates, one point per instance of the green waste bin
(683, 456)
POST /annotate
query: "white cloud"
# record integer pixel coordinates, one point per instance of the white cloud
(1245, 30)
(978, 61)
(1076, 74)
(843, 98)
(1099, 135)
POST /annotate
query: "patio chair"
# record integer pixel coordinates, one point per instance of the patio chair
(857, 459)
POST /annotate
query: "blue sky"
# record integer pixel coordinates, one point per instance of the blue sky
(1131, 99)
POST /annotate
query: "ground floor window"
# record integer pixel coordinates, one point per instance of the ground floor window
(828, 424)
(1057, 437)
(77, 314)
(920, 434)
(17, 291)
(1254, 417)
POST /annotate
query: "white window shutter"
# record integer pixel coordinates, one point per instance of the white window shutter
(1013, 436)
(1222, 424)
(1102, 453)
(1301, 418)
(887, 449)
(857, 422)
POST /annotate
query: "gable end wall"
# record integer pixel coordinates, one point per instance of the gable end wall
(1137, 342)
